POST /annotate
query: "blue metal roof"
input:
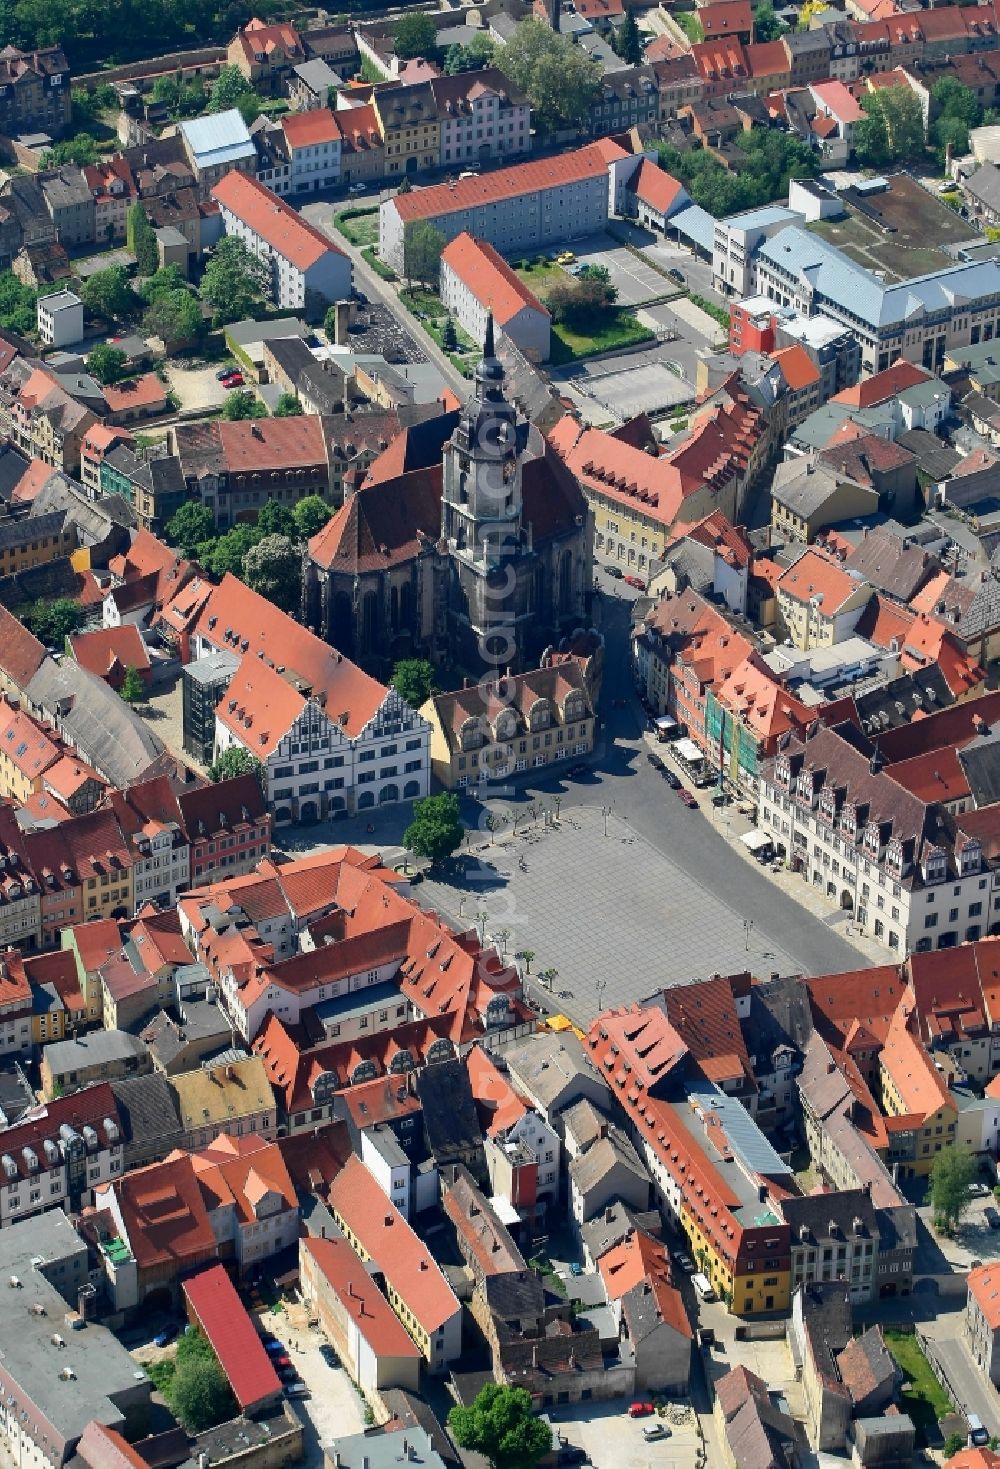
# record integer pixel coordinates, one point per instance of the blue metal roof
(696, 224)
(827, 270)
(745, 1137)
(221, 138)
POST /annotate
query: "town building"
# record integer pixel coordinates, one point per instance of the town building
(415, 1286)
(476, 283)
(356, 1318)
(481, 117)
(235, 469)
(102, 1055)
(217, 145)
(60, 319)
(313, 141)
(526, 207)
(34, 92)
(982, 1319)
(307, 271)
(61, 1154)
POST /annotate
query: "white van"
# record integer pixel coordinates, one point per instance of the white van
(703, 1286)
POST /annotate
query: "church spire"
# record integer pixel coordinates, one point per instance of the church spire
(488, 348)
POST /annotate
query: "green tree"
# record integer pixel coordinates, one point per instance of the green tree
(560, 79)
(107, 363)
(175, 317)
(952, 1171)
(449, 336)
(18, 304)
(228, 552)
(479, 52)
(237, 761)
(892, 130)
(133, 690)
(109, 294)
(273, 567)
(52, 622)
(79, 150)
(141, 239)
(502, 1424)
(414, 35)
(953, 1444)
(234, 282)
(311, 514)
(766, 25)
(201, 1397)
(161, 282)
(190, 526)
(166, 91)
(276, 520)
(227, 89)
(950, 132)
(249, 106)
(422, 246)
(413, 680)
(949, 98)
(288, 406)
(626, 40)
(243, 404)
(435, 831)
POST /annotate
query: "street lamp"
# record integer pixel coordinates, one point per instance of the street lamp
(747, 930)
(606, 812)
(600, 987)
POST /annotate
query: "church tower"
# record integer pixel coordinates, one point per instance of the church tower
(482, 519)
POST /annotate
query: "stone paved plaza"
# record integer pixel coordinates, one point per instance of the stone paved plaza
(666, 930)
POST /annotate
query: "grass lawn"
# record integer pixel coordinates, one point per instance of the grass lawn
(616, 328)
(690, 25)
(541, 278)
(378, 266)
(360, 226)
(923, 1396)
(427, 304)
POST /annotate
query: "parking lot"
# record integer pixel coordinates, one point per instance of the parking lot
(641, 382)
(334, 1407)
(613, 1440)
(636, 281)
(195, 387)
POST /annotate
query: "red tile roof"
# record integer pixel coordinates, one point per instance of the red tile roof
(497, 1102)
(233, 1337)
(490, 278)
(503, 183)
(305, 129)
(984, 1288)
(655, 187)
(725, 18)
(797, 367)
(21, 654)
(888, 384)
(408, 1266)
(767, 59)
(816, 575)
(256, 627)
(108, 651)
(274, 221)
(164, 1215)
(360, 1298)
(142, 392)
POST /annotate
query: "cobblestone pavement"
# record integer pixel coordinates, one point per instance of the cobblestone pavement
(652, 927)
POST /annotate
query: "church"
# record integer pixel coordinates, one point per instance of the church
(468, 543)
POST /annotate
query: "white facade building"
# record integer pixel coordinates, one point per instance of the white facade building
(307, 271)
(313, 140)
(60, 319)
(481, 118)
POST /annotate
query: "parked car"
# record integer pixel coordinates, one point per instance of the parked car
(992, 1217)
(165, 1337)
(640, 1410)
(672, 780)
(615, 572)
(225, 372)
(235, 380)
(356, 189)
(676, 275)
(566, 258)
(576, 1268)
(655, 760)
(978, 1190)
(687, 798)
(683, 1262)
(273, 1347)
(635, 581)
(651, 1431)
(282, 1361)
(329, 1355)
(571, 1453)
(297, 1390)
(288, 1374)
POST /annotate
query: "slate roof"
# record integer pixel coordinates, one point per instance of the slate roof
(148, 1109)
(95, 720)
(450, 1120)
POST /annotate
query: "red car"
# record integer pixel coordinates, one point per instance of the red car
(637, 582)
(234, 380)
(687, 798)
(283, 1362)
(640, 1410)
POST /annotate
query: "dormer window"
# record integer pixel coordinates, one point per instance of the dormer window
(827, 805)
(872, 839)
(894, 857)
(935, 866)
(971, 859)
